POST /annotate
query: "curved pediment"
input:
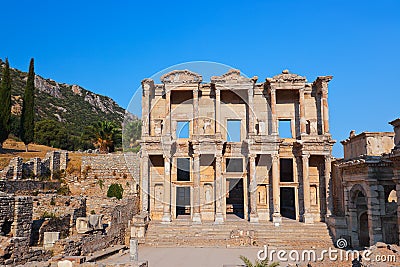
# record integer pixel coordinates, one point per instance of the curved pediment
(286, 77)
(181, 76)
(232, 76)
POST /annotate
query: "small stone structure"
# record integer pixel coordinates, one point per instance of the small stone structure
(366, 189)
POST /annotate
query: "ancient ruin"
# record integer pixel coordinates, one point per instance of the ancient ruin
(366, 189)
(219, 151)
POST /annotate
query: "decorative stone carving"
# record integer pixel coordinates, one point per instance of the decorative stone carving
(287, 77)
(181, 76)
(232, 75)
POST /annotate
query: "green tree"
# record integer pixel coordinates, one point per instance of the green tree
(115, 190)
(28, 112)
(105, 135)
(263, 263)
(5, 104)
(52, 133)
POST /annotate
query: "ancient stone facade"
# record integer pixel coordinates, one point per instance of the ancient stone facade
(217, 151)
(366, 189)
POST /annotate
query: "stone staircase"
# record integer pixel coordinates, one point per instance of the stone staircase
(289, 235)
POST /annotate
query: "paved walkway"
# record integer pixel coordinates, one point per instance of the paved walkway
(193, 257)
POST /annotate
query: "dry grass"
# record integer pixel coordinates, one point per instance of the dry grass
(12, 148)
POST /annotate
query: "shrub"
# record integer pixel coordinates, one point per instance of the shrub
(115, 190)
(63, 190)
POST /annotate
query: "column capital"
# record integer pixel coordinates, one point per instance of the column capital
(252, 156)
(328, 158)
(275, 157)
(196, 155)
(305, 156)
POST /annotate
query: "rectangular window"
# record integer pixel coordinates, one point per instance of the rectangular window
(183, 172)
(286, 170)
(233, 134)
(182, 129)
(285, 129)
(234, 165)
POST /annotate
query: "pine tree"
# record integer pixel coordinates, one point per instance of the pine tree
(5, 104)
(28, 112)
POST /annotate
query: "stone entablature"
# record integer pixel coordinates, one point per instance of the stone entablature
(208, 108)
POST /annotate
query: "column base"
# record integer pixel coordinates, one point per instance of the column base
(277, 219)
(254, 218)
(219, 218)
(166, 219)
(308, 218)
(196, 218)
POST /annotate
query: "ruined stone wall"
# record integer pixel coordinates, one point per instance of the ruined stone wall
(55, 213)
(27, 187)
(54, 161)
(110, 166)
(15, 246)
(99, 172)
(115, 234)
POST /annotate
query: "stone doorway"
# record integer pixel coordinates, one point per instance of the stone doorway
(363, 234)
(288, 206)
(183, 208)
(362, 214)
(235, 197)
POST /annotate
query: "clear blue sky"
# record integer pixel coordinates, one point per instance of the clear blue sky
(109, 47)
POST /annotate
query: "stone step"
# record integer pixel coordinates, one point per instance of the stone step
(290, 234)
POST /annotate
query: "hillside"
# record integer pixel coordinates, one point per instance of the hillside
(70, 105)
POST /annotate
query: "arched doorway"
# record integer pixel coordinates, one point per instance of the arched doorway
(362, 222)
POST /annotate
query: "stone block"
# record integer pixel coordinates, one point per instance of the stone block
(65, 263)
(88, 224)
(49, 238)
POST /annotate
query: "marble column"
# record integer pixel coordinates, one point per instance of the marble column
(217, 111)
(146, 86)
(253, 189)
(307, 216)
(166, 218)
(328, 188)
(273, 112)
(145, 183)
(196, 111)
(196, 188)
(219, 217)
(250, 102)
(325, 111)
(302, 112)
(167, 123)
(276, 216)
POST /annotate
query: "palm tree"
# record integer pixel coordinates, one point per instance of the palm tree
(263, 263)
(105, 134)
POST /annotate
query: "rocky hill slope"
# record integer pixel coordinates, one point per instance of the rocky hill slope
(71, 105)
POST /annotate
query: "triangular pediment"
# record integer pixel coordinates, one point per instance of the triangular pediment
(181, 76)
